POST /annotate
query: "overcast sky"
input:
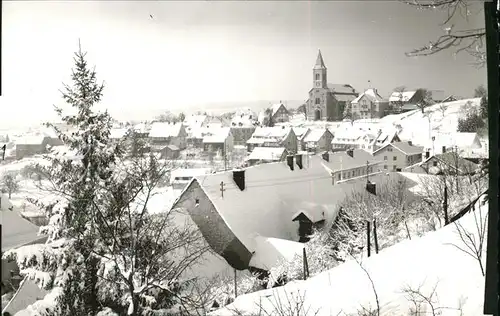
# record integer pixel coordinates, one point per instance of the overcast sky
(193, 53)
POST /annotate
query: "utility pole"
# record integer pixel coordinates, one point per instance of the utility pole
(222, 189)
(224, 152)
(456, 169)
(367, 176)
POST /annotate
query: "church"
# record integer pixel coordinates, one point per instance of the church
(327, 101)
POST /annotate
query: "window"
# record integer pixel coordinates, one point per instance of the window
(389, 149)
(317, 77)
(393, 168)
(435, 163)
(197, 201)
(394, 158)
(317, 101)
(385, 157)
(385, 167)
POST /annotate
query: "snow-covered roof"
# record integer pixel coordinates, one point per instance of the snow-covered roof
(30, 140)
(217, 135)
(267, 153)
(370, 94)
(188, 173)
(271, 252)
(275, 107)
(161, 129)
(404, 96)
(118, 133)
(141, 128)
(273, 194)
(300, 132)
(426, 264)
(406, 148)
(16, 231)
(341, 88)
(243, 121)
(195, 120)
(315, 135)
(342, 161)
(27, 293)
(271, 132)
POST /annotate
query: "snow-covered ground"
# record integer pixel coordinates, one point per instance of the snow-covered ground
(426, 263)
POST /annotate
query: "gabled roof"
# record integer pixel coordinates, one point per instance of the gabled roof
(267, 153)
(275, 107)
(404, 96)
(408, 149)
(342, 89)
(16, 231)
(161, 130)
(300, 132)
(272, 132)
(453, 160)
(273, 194)
(217, 135)
(371, 94)
(30, 140)
(315, 135)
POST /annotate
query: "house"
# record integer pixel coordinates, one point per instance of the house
(399, 155)
(167, 151)
(369, 139)
(179, 178)
(234, 209)
(403, 101)
(168, 134)
(16, 232)
(317, 140)
(242, 127)
(141, 130)
(266, 155)
(117, 134)
(276, 136)
(449, 163)
(350, 164)
(450, 98)
(300, 132)
(327, 101)
(279, 113)
(369, 105)
(218, 140)
(465, 143)
(31, 145)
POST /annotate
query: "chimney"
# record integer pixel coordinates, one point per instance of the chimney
(371, 187)
(239, 178)
(289, 161)
(350, 152)
(298, 160)
(427, 154)
(410, 143)
(326, 156)
(444, 149)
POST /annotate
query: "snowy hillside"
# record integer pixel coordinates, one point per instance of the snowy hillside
(441, 118)
(432, 263)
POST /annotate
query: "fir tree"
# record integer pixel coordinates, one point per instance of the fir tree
(105, 251)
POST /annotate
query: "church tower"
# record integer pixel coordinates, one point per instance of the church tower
(319, 73)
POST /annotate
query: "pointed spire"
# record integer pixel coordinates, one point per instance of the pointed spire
(320, 64)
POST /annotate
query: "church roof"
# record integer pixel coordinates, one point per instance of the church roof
(320, 64)
(341, 88)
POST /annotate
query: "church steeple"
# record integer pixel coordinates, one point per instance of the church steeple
(320, 64)
(319, 73)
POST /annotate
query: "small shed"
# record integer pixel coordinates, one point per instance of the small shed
(170, 152)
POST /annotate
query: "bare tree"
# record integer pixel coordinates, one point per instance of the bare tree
(369, 311)
(421, 302)
(469, 40)
(10, 183)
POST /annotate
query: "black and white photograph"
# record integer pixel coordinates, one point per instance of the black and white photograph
(249, 158)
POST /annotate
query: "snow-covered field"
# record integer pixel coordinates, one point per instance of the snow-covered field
(432, 263)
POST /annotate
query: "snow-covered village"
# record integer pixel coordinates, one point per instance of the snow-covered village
(350, 178)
